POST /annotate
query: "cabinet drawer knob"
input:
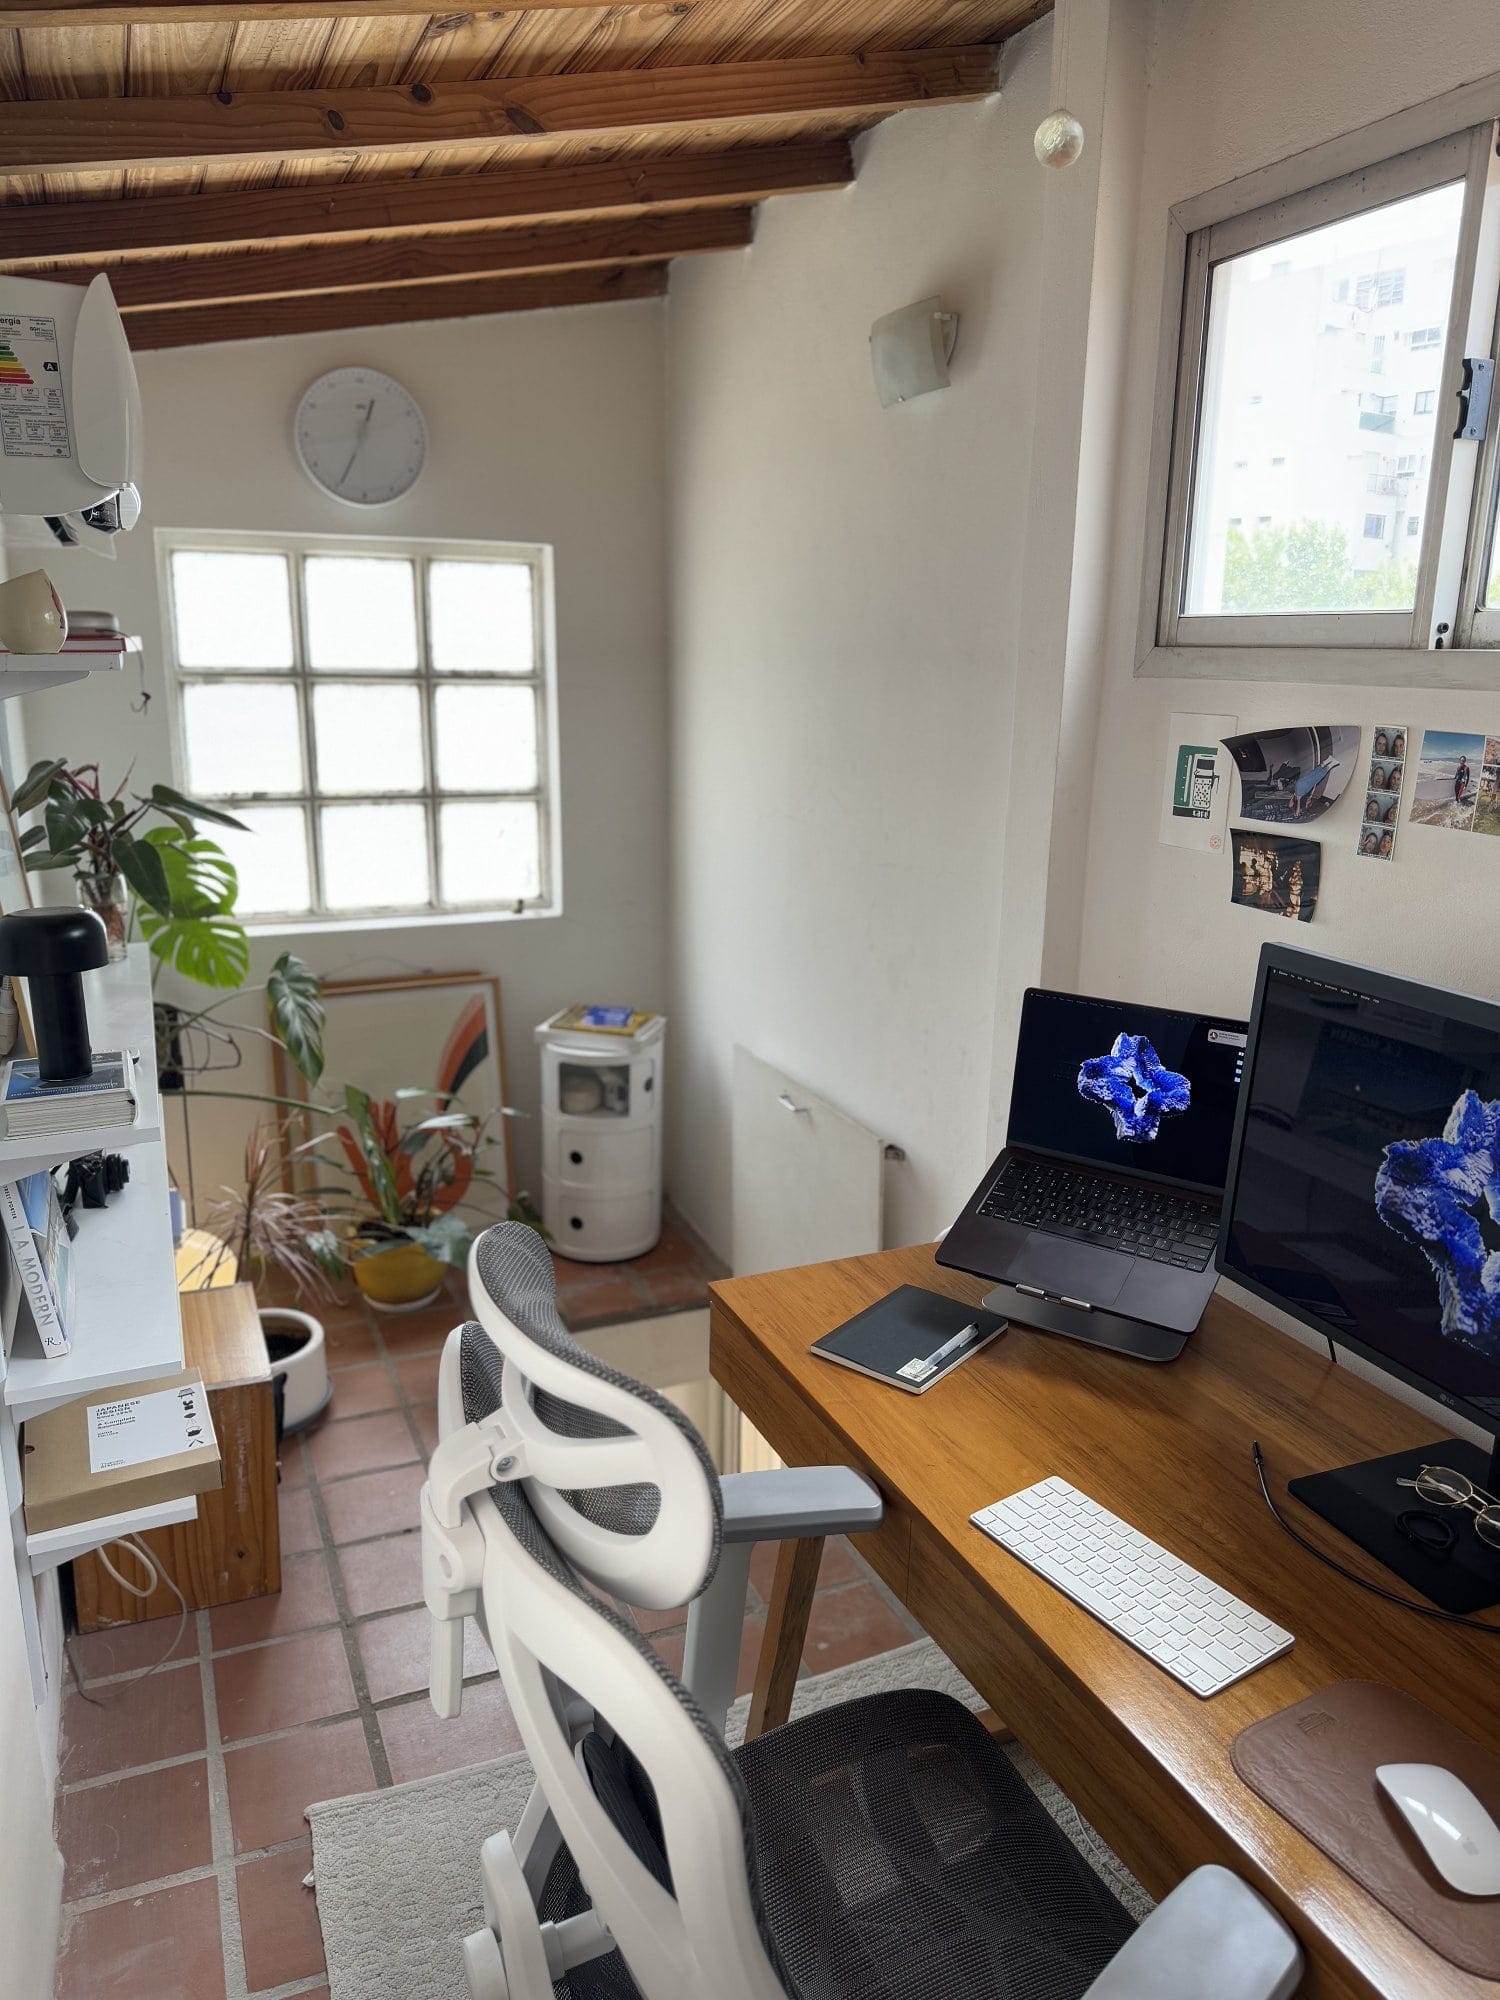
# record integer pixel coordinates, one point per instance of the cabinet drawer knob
(575, 1222)
(576, 1158)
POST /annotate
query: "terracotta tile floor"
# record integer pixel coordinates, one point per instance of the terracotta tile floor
(182, 1790)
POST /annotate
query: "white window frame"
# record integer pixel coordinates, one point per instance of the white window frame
(542, 680)
(1357, 171)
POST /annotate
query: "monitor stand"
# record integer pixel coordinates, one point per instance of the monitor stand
(1364, 1502)
(1097, 1329)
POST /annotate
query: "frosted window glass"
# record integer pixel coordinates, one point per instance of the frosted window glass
(241, 736)
(486, 739)
(374, 857)
(361, 613)
(481, 618)
(231, 610)
(491, 852)
(368, 738)
(271, 858)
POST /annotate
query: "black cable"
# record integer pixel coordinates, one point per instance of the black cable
(1390, 1596)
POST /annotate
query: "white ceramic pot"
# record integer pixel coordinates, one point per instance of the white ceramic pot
(294, 1341)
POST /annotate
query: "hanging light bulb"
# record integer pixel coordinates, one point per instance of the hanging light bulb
(1059, 139)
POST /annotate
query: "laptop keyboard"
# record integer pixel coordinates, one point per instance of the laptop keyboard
(1120, 1215)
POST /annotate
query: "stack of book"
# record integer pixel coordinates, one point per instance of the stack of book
(32, 1109)
(41, 1253)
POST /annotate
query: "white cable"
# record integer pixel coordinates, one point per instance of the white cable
(158, 1576)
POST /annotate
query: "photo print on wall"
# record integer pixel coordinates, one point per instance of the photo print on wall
(1276, 873)
(1387, 774)
(1292, 776)
(1448, 777)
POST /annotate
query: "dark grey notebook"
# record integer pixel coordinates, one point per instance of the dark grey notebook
(911, 1338)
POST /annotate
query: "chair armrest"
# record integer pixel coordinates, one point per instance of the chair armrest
(798, 1501)
(1212, 1935)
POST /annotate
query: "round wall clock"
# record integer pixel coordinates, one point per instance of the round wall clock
(361, 436)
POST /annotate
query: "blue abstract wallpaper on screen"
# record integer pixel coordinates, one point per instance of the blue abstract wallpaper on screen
(1135, 1087)
(1439, 1194)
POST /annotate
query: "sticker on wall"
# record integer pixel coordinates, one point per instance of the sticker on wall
(1195, 795)
(1291, 776)
(1276, 873)
(1387, 774)
(1446, 791)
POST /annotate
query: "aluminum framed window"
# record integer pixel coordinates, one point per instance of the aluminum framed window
(379, 712)
(1295, 339)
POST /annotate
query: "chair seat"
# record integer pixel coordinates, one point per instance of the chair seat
(901, 1857)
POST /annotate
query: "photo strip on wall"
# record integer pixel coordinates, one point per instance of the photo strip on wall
(1383, 785)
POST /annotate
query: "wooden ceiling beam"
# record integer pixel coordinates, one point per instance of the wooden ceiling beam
(180, 13)
(78, 135)
(261, 319)
(437, 260)
(50, 231)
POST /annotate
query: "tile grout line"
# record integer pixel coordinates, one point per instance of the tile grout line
(231, 1940)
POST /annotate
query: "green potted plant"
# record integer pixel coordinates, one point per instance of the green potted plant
(184, 884)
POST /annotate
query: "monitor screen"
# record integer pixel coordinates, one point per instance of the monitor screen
(1144, 1090)
(1364, 1188)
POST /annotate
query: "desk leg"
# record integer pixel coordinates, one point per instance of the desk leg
(786, 1629)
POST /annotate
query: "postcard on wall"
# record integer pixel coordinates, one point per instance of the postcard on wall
(1487, 812)
(1276, 873)
(1383, 783)
(1446, 791)
(1195, 794)
(1291, 776)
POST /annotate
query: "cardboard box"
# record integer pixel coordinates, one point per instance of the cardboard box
(119, 1449)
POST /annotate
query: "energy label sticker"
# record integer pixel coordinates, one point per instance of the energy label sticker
(33, 417)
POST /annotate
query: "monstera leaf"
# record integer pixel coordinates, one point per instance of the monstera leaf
(190, 923)
(294, 994)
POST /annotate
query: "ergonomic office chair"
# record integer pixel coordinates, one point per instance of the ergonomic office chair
(883, 1849)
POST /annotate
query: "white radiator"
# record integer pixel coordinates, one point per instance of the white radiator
(807, 1178)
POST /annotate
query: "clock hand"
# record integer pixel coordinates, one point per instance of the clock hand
(358, 441)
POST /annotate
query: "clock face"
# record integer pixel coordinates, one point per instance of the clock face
(361, 436)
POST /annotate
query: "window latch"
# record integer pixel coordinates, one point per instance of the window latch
(1474, 399)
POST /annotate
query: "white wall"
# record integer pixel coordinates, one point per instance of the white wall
(843, 650)
(1233, 89)
(543, 427)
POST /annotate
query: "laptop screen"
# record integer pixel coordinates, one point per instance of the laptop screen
(1140, 1090)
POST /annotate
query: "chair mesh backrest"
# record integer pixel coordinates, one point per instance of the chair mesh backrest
(515, 1269)
(514, 1266)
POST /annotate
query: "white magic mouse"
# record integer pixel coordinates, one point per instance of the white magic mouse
(1457, 1834)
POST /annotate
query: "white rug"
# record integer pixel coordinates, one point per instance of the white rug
(397, 1871)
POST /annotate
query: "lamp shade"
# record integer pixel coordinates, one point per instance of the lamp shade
(51, 950)
(910, 350)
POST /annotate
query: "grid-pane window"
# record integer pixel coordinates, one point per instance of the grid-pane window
(377, 715)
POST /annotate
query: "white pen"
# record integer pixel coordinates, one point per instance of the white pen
(914, 1370)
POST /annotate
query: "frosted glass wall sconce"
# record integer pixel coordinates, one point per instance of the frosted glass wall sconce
(910, 351)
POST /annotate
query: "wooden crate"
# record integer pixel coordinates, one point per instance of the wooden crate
(233, 1549)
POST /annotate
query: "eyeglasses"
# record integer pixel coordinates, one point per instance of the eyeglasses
(1441, 1487)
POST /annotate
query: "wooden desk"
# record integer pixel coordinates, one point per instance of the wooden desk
(1169, 1449)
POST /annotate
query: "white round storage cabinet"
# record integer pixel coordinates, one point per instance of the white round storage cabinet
(601, 1135)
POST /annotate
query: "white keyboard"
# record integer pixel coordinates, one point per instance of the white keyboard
(1176, 1617)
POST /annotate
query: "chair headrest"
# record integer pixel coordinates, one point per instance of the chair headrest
(653, 1539)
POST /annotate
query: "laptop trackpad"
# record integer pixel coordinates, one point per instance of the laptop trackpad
(1073, 1270)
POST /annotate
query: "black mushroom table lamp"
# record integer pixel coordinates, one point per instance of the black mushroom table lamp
(53, 949)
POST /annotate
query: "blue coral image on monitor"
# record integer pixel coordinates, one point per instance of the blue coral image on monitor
(1135, 1087)
(1443, 1195)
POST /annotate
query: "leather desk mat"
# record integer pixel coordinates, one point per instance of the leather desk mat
(1315, 1763)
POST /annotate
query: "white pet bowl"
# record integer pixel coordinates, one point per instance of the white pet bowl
(294, 1341)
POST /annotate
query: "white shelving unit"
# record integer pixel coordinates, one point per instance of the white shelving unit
(127, 1324)
(29, 673)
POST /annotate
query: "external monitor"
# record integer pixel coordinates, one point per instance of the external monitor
(1363, 1198)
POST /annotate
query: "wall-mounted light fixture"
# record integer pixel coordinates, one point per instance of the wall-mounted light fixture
(910, 350)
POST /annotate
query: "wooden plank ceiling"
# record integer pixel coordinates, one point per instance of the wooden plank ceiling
(283, 165)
